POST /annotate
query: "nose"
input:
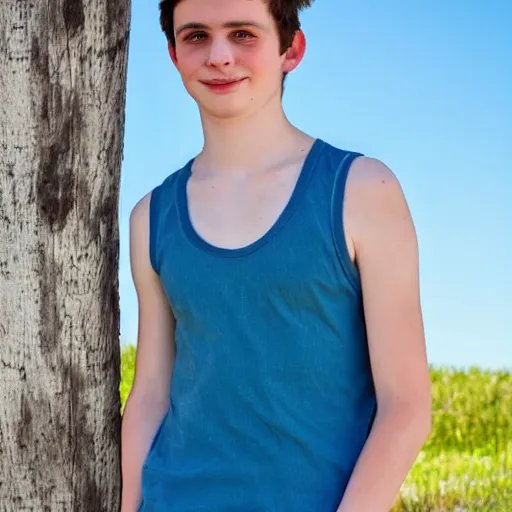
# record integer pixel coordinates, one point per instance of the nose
(221, 53)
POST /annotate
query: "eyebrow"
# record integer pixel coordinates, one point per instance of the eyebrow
(230, 24)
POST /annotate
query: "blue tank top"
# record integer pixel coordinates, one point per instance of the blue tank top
(272, 396)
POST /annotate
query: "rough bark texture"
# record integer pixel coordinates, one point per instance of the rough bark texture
(62, 97)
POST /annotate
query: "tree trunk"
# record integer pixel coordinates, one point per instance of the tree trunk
(63, 70)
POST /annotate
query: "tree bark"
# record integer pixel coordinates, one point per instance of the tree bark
(63, 66)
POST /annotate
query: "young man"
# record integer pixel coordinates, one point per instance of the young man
(281, 363)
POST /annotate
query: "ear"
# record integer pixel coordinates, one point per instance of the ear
(172, 53)
(295, 53)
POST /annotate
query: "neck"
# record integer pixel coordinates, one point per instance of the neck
(248, 145)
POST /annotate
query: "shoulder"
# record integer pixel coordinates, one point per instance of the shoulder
(139, 219)
(142, 216)
(373, 185)
(375, 204)
(142, 229)
(140, 212)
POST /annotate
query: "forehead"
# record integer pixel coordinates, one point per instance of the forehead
(219, 12)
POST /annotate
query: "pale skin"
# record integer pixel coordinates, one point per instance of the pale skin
(383, 244)
(240, 183)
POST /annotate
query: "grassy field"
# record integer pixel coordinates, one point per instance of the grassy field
(466, 465)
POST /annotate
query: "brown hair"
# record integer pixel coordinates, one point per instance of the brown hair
(284, 12)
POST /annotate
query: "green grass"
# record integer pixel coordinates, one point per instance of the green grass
(466, 465)
(128, 354)
(455, 481)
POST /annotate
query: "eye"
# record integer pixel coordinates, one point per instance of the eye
(195, 36)
(242, 34)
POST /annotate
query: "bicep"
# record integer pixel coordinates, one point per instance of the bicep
(156, 325)
(387, 258)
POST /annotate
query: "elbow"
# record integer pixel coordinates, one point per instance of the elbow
(421, 420)
(423, 412)
(427, 421)
(413, 417)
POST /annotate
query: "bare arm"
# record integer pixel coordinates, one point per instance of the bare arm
(387, 256)
(149, 398)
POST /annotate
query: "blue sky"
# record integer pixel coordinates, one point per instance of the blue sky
(426, 87)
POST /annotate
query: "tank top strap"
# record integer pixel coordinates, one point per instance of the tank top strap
(337, 206)
(162, 206)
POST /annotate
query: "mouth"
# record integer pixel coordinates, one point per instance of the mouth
(222, 84)
(222, 81)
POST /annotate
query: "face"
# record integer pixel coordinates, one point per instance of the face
(227, 53)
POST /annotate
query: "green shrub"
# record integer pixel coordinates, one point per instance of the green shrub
(128, 354)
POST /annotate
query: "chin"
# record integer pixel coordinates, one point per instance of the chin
(225, 107)
(223, 112)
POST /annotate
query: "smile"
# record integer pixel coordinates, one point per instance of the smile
(222, 85)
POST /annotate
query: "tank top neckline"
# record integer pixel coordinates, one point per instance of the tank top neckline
(297, 192)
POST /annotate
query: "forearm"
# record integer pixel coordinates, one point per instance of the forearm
(141, 420)
(389, 453)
